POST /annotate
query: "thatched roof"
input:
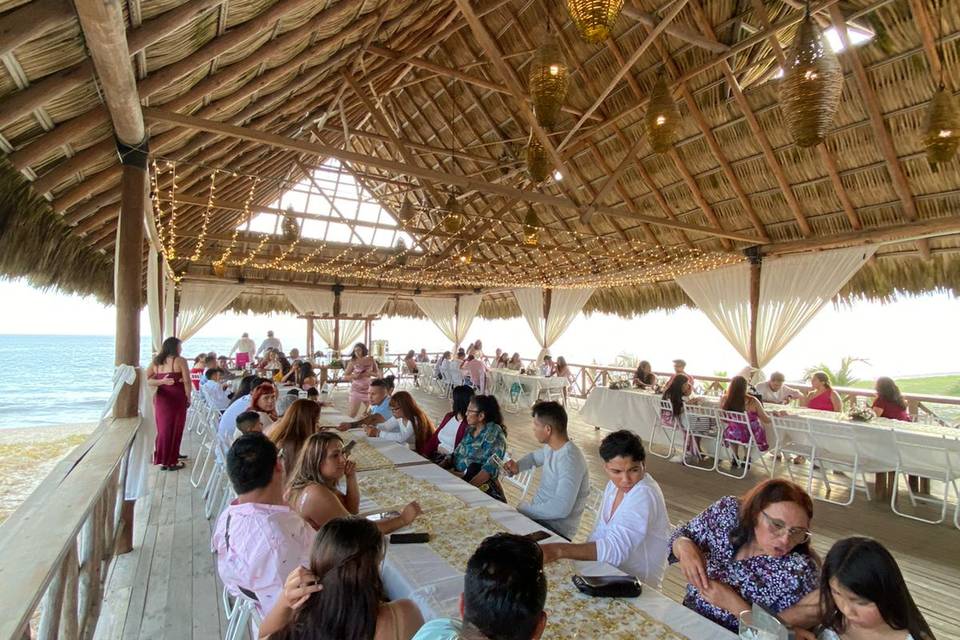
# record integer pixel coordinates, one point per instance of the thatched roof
(368, 72)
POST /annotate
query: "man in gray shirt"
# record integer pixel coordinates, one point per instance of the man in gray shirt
(565, 483)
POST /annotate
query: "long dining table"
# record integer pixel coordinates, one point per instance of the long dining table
(421, 573)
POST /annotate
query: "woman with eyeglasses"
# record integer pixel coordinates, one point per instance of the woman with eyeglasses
(478, 457)
(753, 549)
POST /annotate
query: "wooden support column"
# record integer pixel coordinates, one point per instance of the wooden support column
(337, 290)
(755, 269)
(310, 350)
(128, 266)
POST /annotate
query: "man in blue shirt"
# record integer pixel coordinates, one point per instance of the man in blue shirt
(379, 411)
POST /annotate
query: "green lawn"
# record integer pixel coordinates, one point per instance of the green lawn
(931, 385)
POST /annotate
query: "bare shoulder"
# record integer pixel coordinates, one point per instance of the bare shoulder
(403, 613)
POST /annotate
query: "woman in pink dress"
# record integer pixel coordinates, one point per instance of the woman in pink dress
(736, 399)
(822, 397)
(360, 370)
(170, 374)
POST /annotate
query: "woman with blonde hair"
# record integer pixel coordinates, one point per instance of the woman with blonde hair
(312, 489)
(298, 423)
(409, 424)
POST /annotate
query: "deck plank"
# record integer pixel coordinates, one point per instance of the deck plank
(169, 587)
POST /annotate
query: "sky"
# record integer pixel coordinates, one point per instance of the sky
(912, 336)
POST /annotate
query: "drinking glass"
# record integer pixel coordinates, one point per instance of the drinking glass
(748, 631)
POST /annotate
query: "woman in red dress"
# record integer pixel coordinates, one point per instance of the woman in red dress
(170, 375)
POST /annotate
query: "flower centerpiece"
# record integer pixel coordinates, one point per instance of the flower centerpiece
(861, 414)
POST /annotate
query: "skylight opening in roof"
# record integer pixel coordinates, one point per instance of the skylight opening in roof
(326, 207)
(857, 37)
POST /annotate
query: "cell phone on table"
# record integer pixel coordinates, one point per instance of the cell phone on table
(383, 515)
(537, 536)
(349, 447)
(409, 538)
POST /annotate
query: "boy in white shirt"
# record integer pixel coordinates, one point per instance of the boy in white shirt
(214, 390)
(632, 531)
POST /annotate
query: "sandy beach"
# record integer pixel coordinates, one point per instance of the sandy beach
(28, 454)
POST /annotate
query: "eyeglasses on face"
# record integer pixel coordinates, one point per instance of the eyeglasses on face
(472, 411)
(796, 535)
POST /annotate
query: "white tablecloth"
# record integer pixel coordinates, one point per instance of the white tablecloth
(532, 386)
(621, 409)
(420, 574)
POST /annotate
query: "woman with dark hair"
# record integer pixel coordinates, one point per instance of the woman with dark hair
(410, 362)
(822, 396)
(359, 372)
(644, 378)
(676, 392)
(889, 402)
(737, 399)
(863, 595)
(298, 423)
(313, 490)
(452, 427)
(301, 373)
(514, 363)
(409, 424)
(476, 457)
(342, 594)
(263, 400)
(754, 549)
(502, 361)
(169, 374)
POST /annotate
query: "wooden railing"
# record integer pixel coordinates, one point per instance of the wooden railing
(588, 376)
(57, 546)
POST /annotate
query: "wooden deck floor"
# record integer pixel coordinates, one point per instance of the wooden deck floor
(167, 587)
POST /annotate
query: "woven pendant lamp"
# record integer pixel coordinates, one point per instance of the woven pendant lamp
(401, 252)
(663, 117)
(406, 212)
(594, 18)
(941, 135)
(547, 82)
(531, 228)
(812, 85)
(453, 222)
(538, 163)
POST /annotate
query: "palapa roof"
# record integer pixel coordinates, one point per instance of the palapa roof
(420, 86)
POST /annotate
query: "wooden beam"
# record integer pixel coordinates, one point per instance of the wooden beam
(678, 31)
(697, 195)
(31, 20)
(370, 135)
(919, 230)
(882, 134)
(200, 124)
(928, 35)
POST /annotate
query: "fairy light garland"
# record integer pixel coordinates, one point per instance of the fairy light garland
(202, 238)
(155, 199)
(172, 227)
(236, 231)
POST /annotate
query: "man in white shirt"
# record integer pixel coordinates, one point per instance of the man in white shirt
(244, 345)
(258, 540)
(632, 531)
(565, 484)
(214, 390)
(269, 343)
(774, 391)
(504, 590)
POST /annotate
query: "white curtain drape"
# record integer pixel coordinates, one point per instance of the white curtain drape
(723, 295)
(794, 288)
(316, 302)
(547, 328)
(443, 313)
(350, 330)
(154, 310)
(201, 302)
(169, 306)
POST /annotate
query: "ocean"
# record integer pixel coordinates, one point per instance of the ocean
(66, 379)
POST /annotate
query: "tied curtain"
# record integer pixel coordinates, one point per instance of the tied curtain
(443, 313)
(169, 306)
(792, 290)
(154, 307)
(350, 330)
(565, 304)
(314, 302)
(201, 302)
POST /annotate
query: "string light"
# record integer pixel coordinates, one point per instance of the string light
(206, 218)
(236, 231)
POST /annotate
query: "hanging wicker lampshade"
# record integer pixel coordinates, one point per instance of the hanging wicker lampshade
(406, 212)
(538, 163)
(289, 227)
(219, 269)
(401, 251)
(941, 135)
(531, 228)
(466, 257)
(663, 117)
(811, 87)
(547, 82)
(594, 18)
(453, 222)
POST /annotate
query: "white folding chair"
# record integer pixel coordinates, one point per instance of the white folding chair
(205, 451)
(835, 449)
(594, 502)
(752, 453)
(926, 456)
(521, 480)
(701, 423)
(243, 618)
(792, 438)
(667, 425)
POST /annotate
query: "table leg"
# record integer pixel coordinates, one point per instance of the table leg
(880, 486)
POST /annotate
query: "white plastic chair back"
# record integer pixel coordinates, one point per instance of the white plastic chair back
(522, 481)
(665, 416)
(791, 434)
(834, 441)
(921, 455)
(701, 420)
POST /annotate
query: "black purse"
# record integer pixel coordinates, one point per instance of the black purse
(608, 586)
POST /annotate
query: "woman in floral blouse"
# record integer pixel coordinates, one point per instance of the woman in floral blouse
(485, 438)
(754, 549)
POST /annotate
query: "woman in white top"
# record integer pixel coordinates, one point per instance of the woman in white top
(632, 531)
(409, 424)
